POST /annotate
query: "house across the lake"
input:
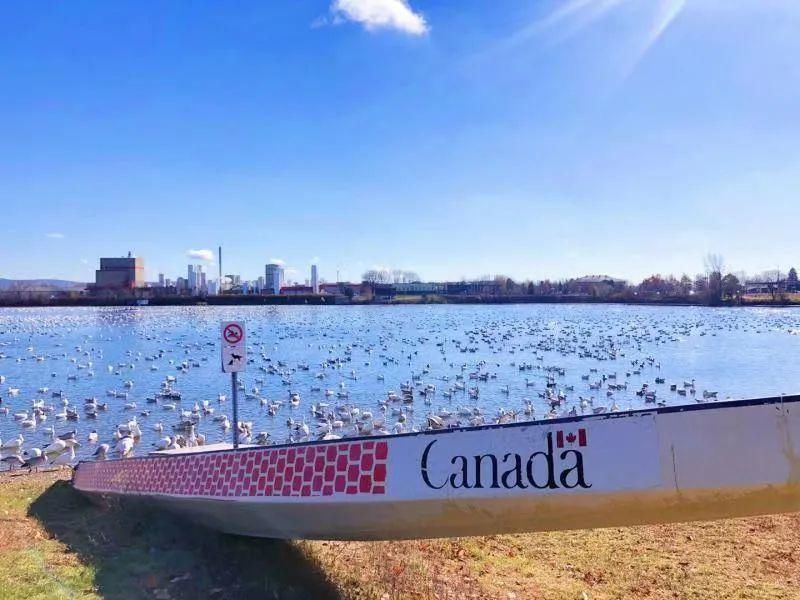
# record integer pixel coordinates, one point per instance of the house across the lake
(591, 283)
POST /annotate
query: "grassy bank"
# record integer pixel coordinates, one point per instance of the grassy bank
(55, 544)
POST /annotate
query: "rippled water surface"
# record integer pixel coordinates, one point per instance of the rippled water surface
(359, 354)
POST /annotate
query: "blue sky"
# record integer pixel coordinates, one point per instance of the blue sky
(546, 138)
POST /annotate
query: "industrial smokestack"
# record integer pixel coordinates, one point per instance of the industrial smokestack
(219, 285)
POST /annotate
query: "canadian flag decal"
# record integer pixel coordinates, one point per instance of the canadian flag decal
(570, 438)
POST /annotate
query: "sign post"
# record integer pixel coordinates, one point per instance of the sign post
(234, 361)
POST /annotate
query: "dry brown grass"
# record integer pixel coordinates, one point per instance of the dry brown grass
(738, 558)
(423, 569)
(735, 558)
(793, 298)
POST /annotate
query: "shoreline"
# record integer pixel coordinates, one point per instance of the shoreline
(343, 301)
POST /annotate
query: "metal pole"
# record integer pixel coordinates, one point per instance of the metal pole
(235, 392)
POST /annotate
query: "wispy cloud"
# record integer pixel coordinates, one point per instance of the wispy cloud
(567, 19)
(577, 14)
(277, 261)
(571, 17)
(667, 12)
(55, 235)
(204, 255)
(376, 14)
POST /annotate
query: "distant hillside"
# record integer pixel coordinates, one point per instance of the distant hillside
(8, 285)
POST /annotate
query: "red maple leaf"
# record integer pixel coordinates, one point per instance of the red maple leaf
(571, 438)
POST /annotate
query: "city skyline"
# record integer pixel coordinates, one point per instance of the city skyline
(203, 265)
(538, 140)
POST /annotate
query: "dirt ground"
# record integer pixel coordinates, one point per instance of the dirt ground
(56, 544)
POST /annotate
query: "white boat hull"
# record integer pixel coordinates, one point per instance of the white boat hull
(708, 461)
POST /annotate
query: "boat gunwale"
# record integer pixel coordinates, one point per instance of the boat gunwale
(714, 405)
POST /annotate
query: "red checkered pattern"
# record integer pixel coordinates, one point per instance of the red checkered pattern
(318, 470)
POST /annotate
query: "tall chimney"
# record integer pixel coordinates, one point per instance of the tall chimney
(219, 283)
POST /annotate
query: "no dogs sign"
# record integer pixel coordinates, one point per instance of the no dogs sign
(234, 353)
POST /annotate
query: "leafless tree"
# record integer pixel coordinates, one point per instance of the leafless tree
(401, 276)
(390, 276)
(715, 265)
(377, 276)
(686, 284)
(700, 283)
(772, 278)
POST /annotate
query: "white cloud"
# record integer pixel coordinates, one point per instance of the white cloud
(377, 14)
(204, 255)
(55, 236)
(84, 261)
(277, 261)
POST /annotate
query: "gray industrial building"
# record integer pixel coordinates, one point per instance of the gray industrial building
(120, 273)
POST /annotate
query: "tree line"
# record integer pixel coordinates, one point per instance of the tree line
(715, 285)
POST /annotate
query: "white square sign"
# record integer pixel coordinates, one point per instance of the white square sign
(234, 352)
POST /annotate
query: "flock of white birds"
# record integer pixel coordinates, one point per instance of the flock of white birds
(103, 383)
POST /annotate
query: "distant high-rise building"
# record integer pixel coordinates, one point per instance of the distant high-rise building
(203, 283)
(160, 280)
(273, 278)
(220, 280)
(314, 280)
(126, 272)
(196, 278)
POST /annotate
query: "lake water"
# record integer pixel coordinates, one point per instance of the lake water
(368, 351)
